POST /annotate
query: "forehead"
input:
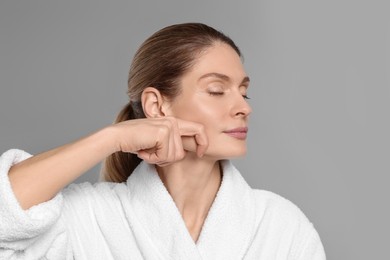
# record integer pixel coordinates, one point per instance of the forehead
(220, 59)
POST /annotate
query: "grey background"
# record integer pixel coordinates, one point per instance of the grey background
(320, 72)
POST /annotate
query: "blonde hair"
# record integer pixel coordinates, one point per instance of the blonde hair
(160, 62)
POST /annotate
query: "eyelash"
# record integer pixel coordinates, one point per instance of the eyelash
(221, 93)
(216, 93)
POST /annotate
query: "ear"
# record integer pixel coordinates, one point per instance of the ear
(152, 103)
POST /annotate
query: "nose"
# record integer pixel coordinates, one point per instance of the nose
(241, 107)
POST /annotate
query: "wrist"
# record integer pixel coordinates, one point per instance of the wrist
(112, 135)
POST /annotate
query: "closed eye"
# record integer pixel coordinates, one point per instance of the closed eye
(215, 93)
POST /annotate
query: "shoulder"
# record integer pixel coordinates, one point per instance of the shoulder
(90, 205)
(277, 205)
(284, 221)
(280, 213)
(92, 194)
(87, 187)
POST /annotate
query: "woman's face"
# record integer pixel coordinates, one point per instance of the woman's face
(214, 94)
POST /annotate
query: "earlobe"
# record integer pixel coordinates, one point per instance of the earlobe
(152, 103)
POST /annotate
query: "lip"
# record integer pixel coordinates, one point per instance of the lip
(239, 132)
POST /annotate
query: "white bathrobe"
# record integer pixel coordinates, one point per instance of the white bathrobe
(139, 220)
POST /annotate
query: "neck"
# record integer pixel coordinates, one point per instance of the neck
(193, 184)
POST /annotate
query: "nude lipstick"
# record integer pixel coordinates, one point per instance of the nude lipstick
(239, 133)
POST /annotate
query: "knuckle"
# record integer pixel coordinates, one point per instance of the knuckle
(180, 154)
(171, 120)
(175, 122)
(168, 123)
(164, 130)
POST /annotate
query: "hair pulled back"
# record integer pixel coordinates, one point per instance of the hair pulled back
(160, 62)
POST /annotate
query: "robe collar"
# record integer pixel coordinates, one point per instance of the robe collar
(161, 232)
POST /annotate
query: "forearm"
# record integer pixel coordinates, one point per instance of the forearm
(41, 177)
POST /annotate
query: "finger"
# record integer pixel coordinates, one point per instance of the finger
(168, 142)
(188, 128)
(163, 143)
(147, 156)
(202, 142)
(198, 132)
(189, 143)
(159, 151)
(177, 142)
(172, 148)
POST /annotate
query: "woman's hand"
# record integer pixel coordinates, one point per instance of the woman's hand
(161, 141)
(158, 141)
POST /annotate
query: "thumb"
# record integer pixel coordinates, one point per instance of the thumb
(193, 136)
(189, 143)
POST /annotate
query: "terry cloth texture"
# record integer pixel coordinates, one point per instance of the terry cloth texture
(138, 219)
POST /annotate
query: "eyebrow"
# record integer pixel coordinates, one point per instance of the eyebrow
(223, 77)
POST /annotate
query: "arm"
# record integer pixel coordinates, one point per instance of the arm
(41, 177)
(47, 173)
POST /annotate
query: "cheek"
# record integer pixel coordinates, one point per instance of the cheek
(201, 111)
(209, 115)
(208, 112)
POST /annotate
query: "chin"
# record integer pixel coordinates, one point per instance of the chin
(226, 153)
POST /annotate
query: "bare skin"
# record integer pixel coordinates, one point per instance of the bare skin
(41, 177)
(185, 139)
(193, 194)
(193, 182)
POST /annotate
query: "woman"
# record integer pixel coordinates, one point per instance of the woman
(172, 192)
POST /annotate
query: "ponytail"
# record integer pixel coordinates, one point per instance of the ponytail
(160, 62)
(118, 166)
